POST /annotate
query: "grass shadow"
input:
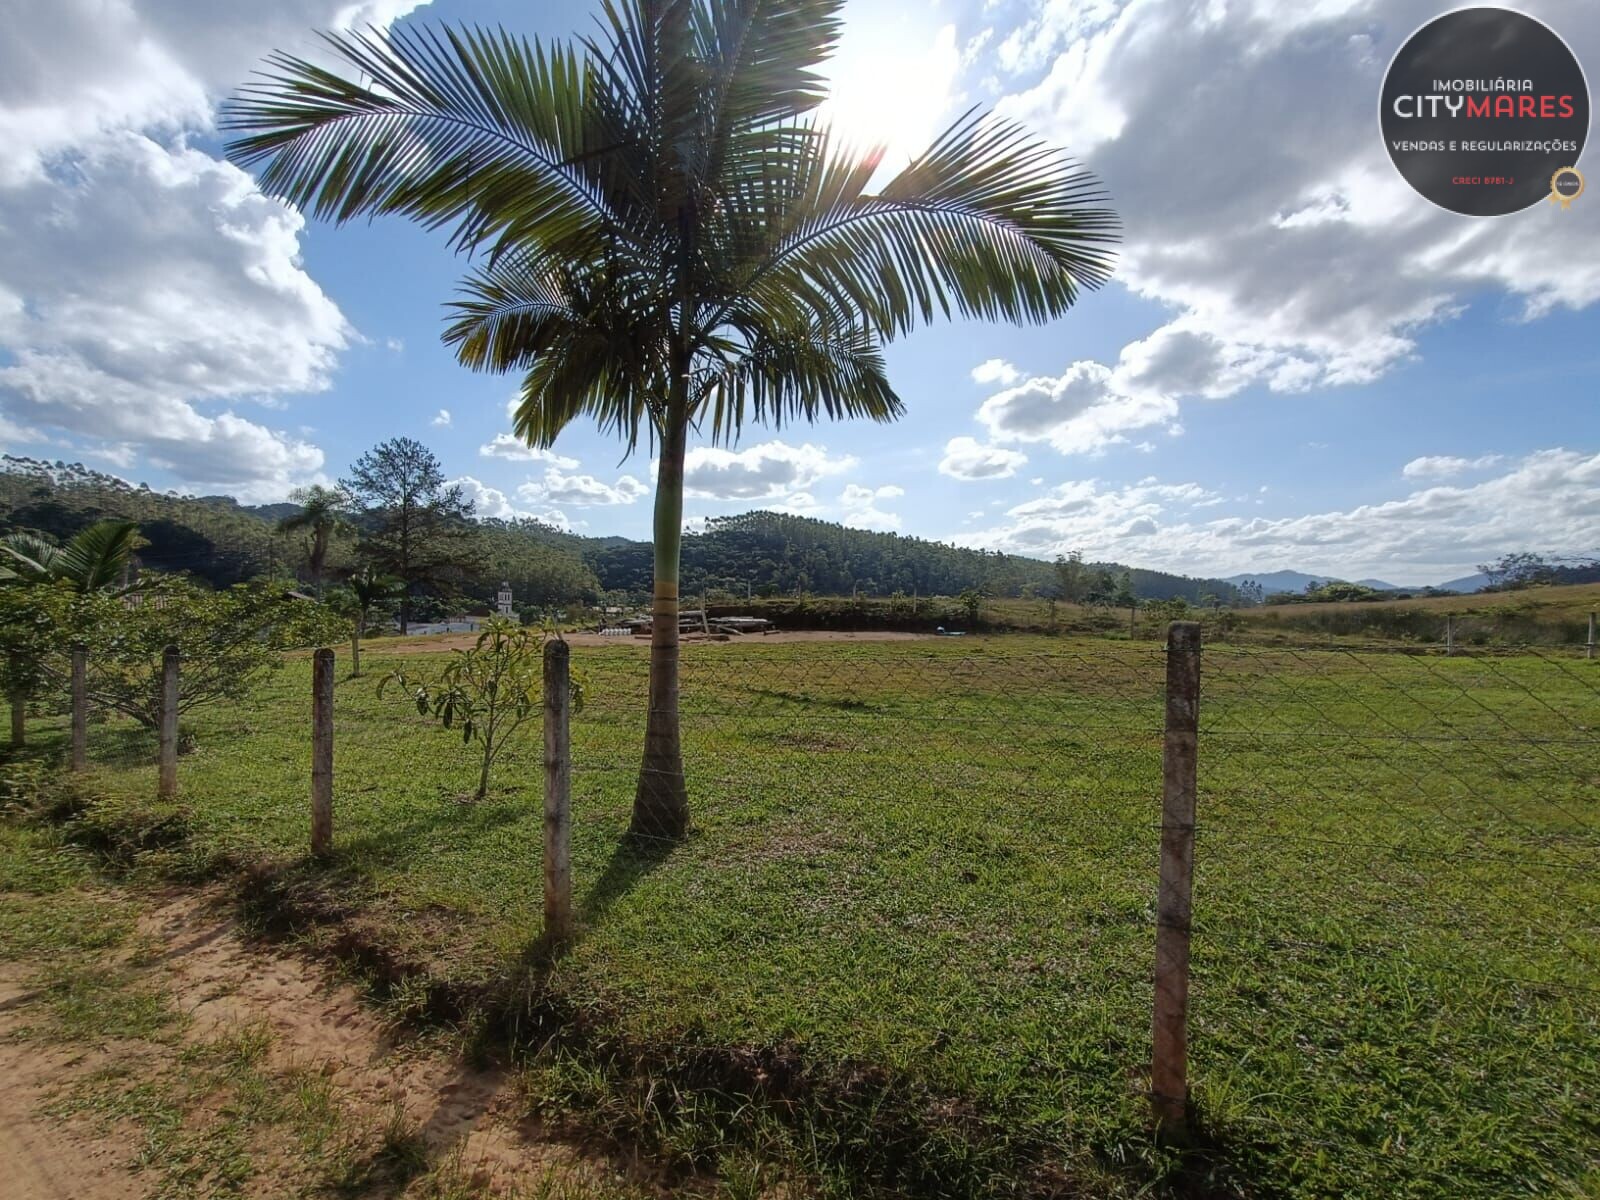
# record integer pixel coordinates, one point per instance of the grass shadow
(632, 859)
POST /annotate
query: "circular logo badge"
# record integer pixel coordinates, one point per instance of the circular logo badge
(1481, 108)
(1566, 185)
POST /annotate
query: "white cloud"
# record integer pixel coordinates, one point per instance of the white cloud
(151, 282)
(967, 458)
(14, 435)
(860, 506)
(509, 446)
(996, 370)
(768, 471)
(487, 501)
(1548, 501)
(443, 419)
(143, 283)
(581, 491)
(798, 504)
(1292, 254)
(71, 70)
(1444, 466)
(1029, 45)
(1083, 410)
(492, 502)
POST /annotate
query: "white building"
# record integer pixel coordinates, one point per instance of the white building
(503, 601)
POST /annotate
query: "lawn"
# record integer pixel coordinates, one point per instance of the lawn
(910, 941)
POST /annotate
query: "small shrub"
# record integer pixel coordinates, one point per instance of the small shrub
(487, 691)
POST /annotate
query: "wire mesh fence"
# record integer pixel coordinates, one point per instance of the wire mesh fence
(944, 857)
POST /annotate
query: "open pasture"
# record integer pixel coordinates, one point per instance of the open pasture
(920, 895)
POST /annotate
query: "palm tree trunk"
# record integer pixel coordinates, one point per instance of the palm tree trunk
(19, 718)
(661, 803)
(19, 702)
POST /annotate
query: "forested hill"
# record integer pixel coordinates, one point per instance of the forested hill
(224, 542)
(780, 553)
(215, 538)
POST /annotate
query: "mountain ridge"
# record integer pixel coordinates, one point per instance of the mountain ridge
(1297, 581)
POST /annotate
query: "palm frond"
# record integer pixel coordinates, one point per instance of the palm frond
(485, 132)
(30, 557)
(96, 557)
(762, 58)
(320, 507)
(670, 238)
(988, 223)
(591, 342)
(800, 374)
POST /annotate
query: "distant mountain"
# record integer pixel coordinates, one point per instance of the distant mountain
(1467, 583)
(1283, 581)
(1297, 581)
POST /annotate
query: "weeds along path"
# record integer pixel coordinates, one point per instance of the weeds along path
(148, 1050)
(43, 1159)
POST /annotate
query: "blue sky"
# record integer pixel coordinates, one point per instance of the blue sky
(1301, 363)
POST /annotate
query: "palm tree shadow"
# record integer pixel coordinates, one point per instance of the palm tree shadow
(632, 859)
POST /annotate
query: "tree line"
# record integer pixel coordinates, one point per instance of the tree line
(397, 516)
(394, 516)
(772, 554)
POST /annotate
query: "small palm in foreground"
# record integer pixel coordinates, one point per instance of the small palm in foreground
(672, 243)
(95, 560)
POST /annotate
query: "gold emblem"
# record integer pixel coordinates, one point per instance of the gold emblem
(1566, 185)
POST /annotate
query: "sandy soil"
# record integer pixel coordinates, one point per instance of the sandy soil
(42, 1159)
(316, 1021)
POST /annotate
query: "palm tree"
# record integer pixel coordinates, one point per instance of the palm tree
(95, 559)
(370, 589)
(321, 514)
(672, 242)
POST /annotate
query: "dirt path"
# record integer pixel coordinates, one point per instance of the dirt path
(318, 1026)
(40, 1158)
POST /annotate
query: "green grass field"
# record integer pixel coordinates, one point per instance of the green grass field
(909, 945)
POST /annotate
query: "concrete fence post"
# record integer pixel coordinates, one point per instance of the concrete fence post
(322, 752)
(1591, 646)
(167, 788)
(79, 760)
(1449, 635)
(557, 791)
(1169, 1070)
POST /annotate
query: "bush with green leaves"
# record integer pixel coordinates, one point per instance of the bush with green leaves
(36, 624)
(487, 691)
(227, 641)
(1161, 612)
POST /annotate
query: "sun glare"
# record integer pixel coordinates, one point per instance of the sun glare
(893, 84)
